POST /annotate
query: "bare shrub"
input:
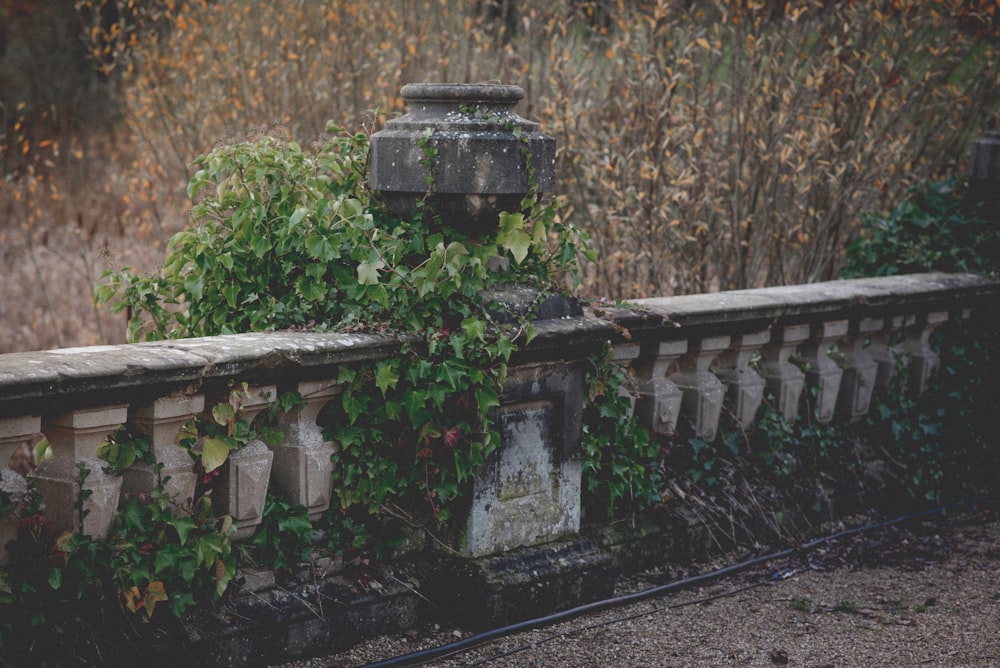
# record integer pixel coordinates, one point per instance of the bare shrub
(703, 144)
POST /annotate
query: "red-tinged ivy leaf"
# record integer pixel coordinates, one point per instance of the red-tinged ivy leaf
(223, 575)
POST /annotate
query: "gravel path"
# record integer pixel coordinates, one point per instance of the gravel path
(922, 596)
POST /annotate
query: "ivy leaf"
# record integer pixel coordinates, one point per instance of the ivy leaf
(223, 414)
(260, 246)
(183, 526)
(214, 454)
(368, 272)
(474, 328)
(512, 235)
(319, 247)
(297, 217)
(155, 592)
(386, 376)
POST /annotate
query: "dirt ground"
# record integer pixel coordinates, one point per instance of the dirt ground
(923, 594)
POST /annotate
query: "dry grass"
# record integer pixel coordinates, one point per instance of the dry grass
(703, 145)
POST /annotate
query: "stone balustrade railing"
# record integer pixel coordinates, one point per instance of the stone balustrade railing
(694, 358)
(698, 355)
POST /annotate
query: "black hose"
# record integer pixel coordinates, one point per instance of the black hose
(422, 656)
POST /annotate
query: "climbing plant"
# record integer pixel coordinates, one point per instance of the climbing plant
(287, 237)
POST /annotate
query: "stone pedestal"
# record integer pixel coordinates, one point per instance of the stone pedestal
(15, 433)
(858, 383)
(658, 404)
(822, 371)
(242, 487)
(922, 357)
(528, 491)
(243, 482)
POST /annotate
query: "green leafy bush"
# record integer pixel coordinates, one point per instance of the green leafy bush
(933, 229)
(284, 237)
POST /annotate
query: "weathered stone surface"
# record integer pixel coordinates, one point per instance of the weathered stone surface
(528, 491)
(302, 467)
(74, 437)
(744, 386)
(161, 420)
(242, 487)
(822, 371)
(530, 582)
(456, 150)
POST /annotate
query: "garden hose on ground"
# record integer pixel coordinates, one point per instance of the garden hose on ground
(423, 656)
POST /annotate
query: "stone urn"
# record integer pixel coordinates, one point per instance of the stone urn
(464, 149)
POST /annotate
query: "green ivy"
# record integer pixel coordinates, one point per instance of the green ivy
(620, 459)
(933, 229)
(285, 536)
(283, 238)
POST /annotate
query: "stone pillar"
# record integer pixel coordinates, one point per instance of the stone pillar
(782, 378)
(922, 358)
(984, 175)
(242, 485)
(744, 386)
(658, 404)
(161, 420)
(15, 433)
(702, 391)
(74, 438)
(302, 470)
(858, 382)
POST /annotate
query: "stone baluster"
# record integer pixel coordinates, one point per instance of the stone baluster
(625, 355)
(658, 404)
(885, 351)
(744, 386)
(243, 482)
(702, 391)
(15, 434)
(161, 420)
(822, 371)
(858, 382)
(302, 468)
(74, 437)
(923, 359)
(782, 378)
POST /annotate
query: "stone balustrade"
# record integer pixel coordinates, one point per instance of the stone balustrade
(695, 359)
(702, 356)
